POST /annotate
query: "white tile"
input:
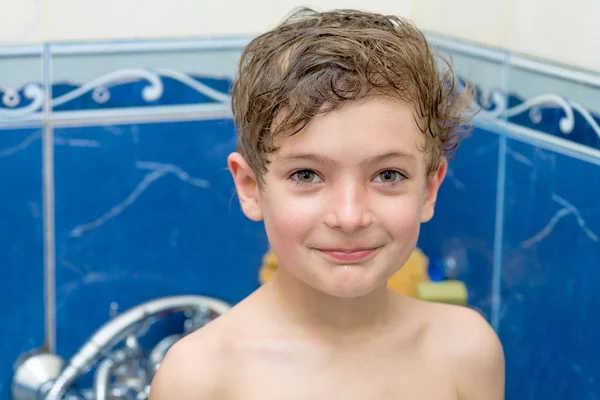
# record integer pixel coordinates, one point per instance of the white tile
(401, 8)
(565, 32)
(21, 22)
(131, 19)
(481, 21)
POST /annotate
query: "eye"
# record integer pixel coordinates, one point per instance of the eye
(389, 176)
(305, 176)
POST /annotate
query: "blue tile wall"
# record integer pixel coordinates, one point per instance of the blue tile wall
(145, 209)
(147, 212)
(534, 273)
(21, 247)
(463, 225)
(551, 275)
(22, 324)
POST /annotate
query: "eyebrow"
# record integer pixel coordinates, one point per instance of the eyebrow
(321, 159)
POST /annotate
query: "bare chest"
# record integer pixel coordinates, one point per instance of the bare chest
(371, 376)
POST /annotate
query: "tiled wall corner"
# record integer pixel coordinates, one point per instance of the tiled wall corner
(148, 213)
(464, 226)
(21, 210)
(551, 246)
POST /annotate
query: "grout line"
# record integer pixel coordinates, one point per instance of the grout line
(498, 236)
(496, 302)
(48, 201)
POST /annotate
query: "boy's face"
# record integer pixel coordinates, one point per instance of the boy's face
(344, 198)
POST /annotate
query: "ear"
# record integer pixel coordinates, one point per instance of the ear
(246, 186)
(431, 190)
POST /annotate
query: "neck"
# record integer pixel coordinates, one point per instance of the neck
(329, 316)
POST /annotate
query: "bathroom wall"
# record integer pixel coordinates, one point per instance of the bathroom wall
(126, 201)
(557, 30)
(127, 145)
(520, 211)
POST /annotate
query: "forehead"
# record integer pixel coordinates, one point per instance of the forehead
(360, 130)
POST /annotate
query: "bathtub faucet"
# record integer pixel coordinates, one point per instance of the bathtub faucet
(44, 376)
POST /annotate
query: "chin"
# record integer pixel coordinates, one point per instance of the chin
(349, 283)
(349, 293)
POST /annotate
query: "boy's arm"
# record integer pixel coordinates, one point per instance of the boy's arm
(478, 360)
(188, 372)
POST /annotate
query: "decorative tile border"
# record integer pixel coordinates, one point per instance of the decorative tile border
(140, 93)
(131, 90)
(547, 113)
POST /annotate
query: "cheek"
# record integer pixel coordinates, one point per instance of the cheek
(288, 221)
(401, 217)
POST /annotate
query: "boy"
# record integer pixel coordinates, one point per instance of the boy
(345, 124)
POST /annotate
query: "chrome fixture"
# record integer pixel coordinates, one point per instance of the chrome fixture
(123, 372)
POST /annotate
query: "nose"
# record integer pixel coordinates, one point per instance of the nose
(348, 209)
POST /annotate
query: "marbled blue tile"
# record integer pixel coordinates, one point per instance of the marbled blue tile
(145, 211)
(21, 247)
(551, 275)
(463, 225)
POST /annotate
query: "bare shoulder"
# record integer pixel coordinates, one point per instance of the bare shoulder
(203, 364)
(194, 368)
(470, 347)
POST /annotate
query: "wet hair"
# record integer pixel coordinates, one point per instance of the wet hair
(314, 62)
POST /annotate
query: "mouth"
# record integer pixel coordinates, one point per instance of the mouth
(347, 256)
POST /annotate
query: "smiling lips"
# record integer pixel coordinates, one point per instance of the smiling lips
(347, 256)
